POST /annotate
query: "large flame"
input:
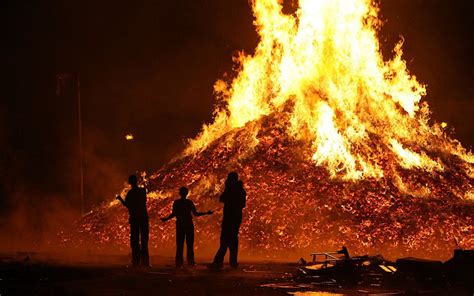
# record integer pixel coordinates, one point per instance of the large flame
(332, 141)
(326, 61)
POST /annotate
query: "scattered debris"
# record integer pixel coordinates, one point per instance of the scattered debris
(339, 269)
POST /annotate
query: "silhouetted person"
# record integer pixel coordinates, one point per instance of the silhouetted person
(183, 209)
(135, 201)
(234, 198)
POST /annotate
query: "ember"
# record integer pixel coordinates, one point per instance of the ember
(333, 143)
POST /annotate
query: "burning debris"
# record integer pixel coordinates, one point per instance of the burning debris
(374, 271)
(332, 141)
(293, 205)
(340, 269)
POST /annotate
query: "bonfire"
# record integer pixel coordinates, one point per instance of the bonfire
(334, 143)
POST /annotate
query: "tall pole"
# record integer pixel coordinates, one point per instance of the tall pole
(81, 154)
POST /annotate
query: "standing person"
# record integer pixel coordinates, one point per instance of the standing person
(183, 209)
(234, 199)
(135, 202)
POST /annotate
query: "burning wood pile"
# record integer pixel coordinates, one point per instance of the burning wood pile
(333, 143)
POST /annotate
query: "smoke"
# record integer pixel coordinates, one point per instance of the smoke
(37, 203)
(32, 207)
(33, 224)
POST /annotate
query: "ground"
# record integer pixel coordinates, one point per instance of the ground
(32, 274)
(33, 277)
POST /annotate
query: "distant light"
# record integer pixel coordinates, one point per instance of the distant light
(129, 137)
(444, 124)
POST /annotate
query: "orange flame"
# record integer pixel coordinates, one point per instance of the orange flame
(325, 60)
(317, 99)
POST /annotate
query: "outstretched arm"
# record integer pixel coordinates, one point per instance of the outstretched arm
(170, 216)
(119, 198)
(196, 213)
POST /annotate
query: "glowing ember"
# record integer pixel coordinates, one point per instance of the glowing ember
(129, 137)
(333, 143)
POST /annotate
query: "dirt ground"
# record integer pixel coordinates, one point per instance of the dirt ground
(33, 274)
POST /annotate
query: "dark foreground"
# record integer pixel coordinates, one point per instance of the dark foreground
(26, 274)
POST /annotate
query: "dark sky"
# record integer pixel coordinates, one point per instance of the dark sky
(148, 67)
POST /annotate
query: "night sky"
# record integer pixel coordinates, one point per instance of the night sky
(148, 67)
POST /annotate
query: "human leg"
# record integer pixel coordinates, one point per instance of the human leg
(180, 235)
(234, 244)
(224, 244)
(144, 232)
(134, 242)
(190, 245)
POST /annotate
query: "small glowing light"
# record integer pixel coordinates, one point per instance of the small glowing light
(129, 137)
(444, 124)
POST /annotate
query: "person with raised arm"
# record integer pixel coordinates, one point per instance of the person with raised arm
(135, 202)
(183, 211)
